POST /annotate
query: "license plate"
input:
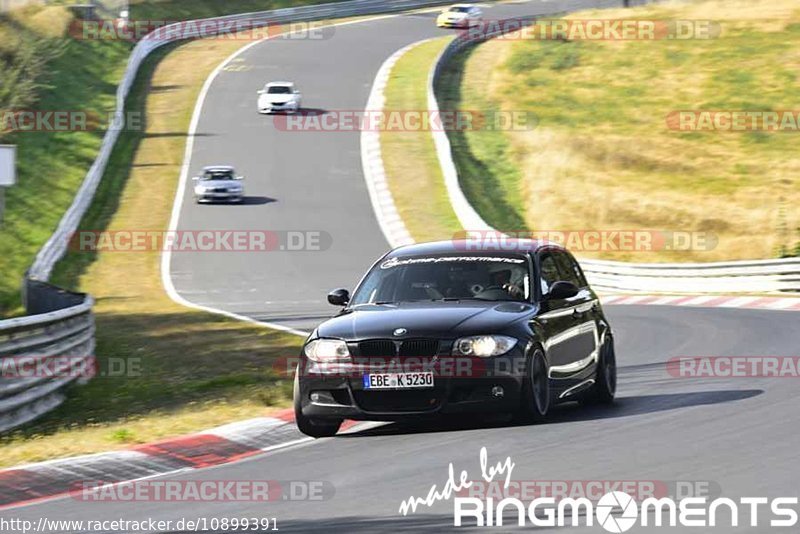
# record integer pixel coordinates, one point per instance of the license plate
(398, 380)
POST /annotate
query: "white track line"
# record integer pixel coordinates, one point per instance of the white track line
(389, 220)
(166, 256)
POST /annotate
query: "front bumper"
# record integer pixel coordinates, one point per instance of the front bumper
(279, 108)
(341, 395)
(219, 197)
(444, 23)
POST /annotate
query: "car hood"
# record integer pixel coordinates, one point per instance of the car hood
(277, 98)
(424, 319)
(230, 184)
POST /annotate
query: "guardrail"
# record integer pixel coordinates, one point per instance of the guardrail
(42, 353)
(759, 276)
(56, 246)
(61, 324)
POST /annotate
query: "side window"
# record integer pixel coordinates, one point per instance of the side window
(577, 270)
(549, 271)
(569, 269)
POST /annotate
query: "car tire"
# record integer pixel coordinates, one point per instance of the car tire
(535, 402)
(605, 384)
(308, 426)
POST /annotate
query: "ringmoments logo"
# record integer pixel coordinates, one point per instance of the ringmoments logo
(615, 511)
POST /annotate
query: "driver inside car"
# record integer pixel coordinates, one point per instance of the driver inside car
(502, 278)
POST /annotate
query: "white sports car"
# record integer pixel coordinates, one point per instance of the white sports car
(279, 97)
(459, 16)
(218, 183)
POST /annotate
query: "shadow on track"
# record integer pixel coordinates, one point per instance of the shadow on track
(313, 112)
(256, 201)
(567, 413)
(246, 201)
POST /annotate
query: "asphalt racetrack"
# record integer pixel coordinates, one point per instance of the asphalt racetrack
(736, 437)
(301, 181)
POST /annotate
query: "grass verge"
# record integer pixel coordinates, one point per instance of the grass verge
(409, 157)
(165, 370)
(82, 78)
(51, 165)
(603, 157)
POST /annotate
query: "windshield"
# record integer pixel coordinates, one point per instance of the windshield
(459, 9)
(279, 90)
(218, 175)
(418, 278)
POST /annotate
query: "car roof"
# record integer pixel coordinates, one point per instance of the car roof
(276, 84)
(460, 5)
(218, 168)
(473, 247)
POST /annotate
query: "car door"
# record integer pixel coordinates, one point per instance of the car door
(555, 318)
(581, 339)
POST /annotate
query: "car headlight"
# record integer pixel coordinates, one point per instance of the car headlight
(483, 346)
(327, 350)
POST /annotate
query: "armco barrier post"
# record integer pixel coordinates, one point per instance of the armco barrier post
(8, 173)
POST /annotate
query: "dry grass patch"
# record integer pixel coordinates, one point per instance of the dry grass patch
(409, 157)
(184, 370)
(602, 156)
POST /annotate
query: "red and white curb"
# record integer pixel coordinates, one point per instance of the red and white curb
(31, 483)
(389, 220)
(706, 301)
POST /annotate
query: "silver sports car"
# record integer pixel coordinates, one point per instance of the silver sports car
(218, 183)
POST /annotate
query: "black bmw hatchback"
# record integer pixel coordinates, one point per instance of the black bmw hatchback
(442, 328)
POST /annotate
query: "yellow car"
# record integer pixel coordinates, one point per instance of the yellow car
(459, 16)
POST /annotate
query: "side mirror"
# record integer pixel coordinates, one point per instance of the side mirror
(261, 91)
(240, 177)
(297, 91)
(195, 178)
(339, 297)
(563, 290)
